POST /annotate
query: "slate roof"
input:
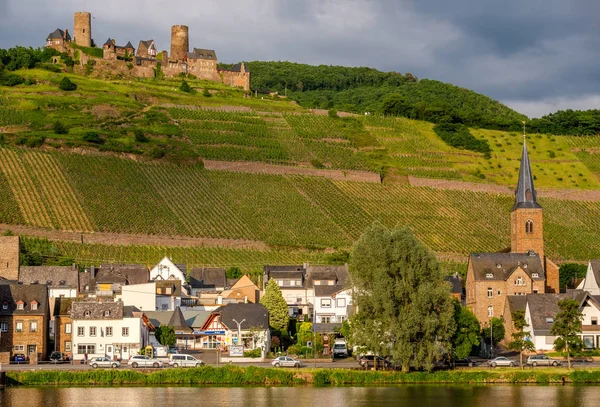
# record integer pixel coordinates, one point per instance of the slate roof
(109, 42)
(516, 302)
(525, 196)
(195, 319)
(327, 328)
(544, 306)
(255, 315)
(207, 277)
(595, 264)
(454, 280)
(178, 322)
(286, 274)
(97, 310)
(339, 274)
(147, 43)
(58, 34)
(53, 276)
(200, 53)
(122, 273)
(327, 290)
(129, 45)
(502, 265)
(28, 293)
(158, 318)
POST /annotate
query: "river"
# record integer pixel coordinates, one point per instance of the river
(408, 395)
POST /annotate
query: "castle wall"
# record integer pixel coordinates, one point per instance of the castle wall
(83, 29)
(180, 44)
(236, 79)
(203, 69)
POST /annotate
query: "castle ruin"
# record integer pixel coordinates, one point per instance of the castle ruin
(147, 61)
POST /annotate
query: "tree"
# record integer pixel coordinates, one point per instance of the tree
(165, 335)
(206, 93)
(496, 334)
(274, 302)
(571, 272)
(403, 301)
(234, 273)
(185, 87)
(467, 331)
(66, 84)
(59, 127)
(521, 341)
(566, 327)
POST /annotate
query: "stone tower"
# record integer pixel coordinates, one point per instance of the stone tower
(83, 28)
(180, 43)
(527, 226)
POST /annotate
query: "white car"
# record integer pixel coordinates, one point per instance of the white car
(178, 360)
(502, 361)
(144, 361)
(286, 361)
(103, 362)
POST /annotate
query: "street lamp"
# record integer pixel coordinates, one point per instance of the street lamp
(239, 324)
(491, 337)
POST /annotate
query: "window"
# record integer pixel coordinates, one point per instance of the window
(529, 226)
(83, 348)
(125, 331)
(490, 311)
(19, 326)
(535, 290)
(535, 275)
(20, 305)
(299, 300)
(341, 302)
(107, 313)
(109, 331)
(499, 292)
(67, 328)
(33, 327)
(519, 281)
(4, 326)
(594, 320)
(549, 320)
(68, 346)
(489, 275)
(92, 331)
(34, 306)
(325, 303)
(19, 348)
(80, 331)
(341, 318)
(4, 304)
(490, 292)
(325, 319)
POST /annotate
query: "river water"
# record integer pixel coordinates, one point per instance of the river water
(408, 395)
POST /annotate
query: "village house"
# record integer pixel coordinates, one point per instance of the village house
(146, 49)
(186, 324)
(243, 290)
(167, 270)
(59, 40)
(108, 279)
(9, 258)
(456, 290)
(522, 269)
(114, 51)
(62, 334)
(108, 329)
(207, 283)
(24, 315)
(62, 281)
(591, 282)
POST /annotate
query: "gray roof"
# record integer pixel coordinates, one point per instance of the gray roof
(525, 196)
(62, 306)
(53, 276)
(159, 318)
(596, 270)
(516, 302)
(97, 310)
(129, 45)
(27, 293)
(109, 42)
(270, 269)
(327, 328)
(454, 280)
(178, 321)
(339, 274)
(255, 315)
(207, 277)
(195, 319)
(502, 265)
(58, 34)
(122, 273)
(146, 43)
(327, 290)
(286, 274)
(544, 306)
(200, 53)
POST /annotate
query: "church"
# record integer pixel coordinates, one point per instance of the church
(522, 269)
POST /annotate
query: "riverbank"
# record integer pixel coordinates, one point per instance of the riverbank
(241, 376)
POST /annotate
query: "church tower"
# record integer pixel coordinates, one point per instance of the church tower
(527, 225)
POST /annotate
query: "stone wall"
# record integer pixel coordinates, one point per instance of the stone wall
(236, 79)
(9, 257)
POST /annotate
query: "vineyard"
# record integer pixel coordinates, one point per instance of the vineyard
(67, 191)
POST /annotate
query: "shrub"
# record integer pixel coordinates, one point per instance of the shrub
(89, 66)
(66, 84)
(130, 66)
(317, 163)
(92, 137)
(206, 93)
(252, 353)
(11, 80)
(59, 127)
(551, 154)
(332, 113)
(185, 87)
(35, 141)
(156, 152)
(139, 135)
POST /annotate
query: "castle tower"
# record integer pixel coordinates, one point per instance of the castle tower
(82, 28)
(527, 226)
(180, 43)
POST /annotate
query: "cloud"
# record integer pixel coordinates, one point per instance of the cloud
(525, 52)
(538, 108)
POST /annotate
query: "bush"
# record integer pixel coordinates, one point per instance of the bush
(156, 152)
(206, 93)
(66, 84)
(140, 137)
(185, 87)
(317, 163)
(89, 66)
(59, 128)
(35, 141)
(11, 80)
(459, 136)
(92, 137)
(256, 353)
(130, 66)
(332, 113)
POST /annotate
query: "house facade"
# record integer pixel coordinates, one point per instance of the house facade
(167, 270)
(63, 326)
(333, 304)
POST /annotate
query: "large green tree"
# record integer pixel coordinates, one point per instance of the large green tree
(566, 327)
(165, 335)
(521, 341)
(404, 305)
(279, 314)
(467, 331)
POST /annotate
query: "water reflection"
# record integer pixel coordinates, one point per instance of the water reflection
(421, 396)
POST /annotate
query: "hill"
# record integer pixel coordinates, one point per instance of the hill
(127, 158)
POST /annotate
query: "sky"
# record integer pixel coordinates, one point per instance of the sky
(536, 56)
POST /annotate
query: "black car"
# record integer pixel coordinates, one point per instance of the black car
(368, 361)
(58, 357)
(466, 362)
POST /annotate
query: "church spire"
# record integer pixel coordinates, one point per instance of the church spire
(525, 196)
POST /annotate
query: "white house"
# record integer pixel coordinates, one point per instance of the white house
(333, 304)
(591, 282)
(167, 270)
(108, 329)
(541, 310)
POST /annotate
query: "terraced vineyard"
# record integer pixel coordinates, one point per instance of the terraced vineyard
(115, 195)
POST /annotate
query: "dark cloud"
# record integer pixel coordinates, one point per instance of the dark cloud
(533, 54)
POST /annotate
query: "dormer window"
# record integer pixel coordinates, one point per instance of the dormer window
(4, 304)
(549, 320)
(107, 313)
(34, 305)
(20, 305)
(86, 314)
(525, 265)
(489, 275)
(535, 275)
(498, 266)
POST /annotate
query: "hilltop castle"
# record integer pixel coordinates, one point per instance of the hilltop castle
(147, 61)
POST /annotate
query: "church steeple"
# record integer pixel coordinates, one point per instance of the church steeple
(525, 196)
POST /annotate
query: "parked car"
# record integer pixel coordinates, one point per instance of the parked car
(502, 361)
(184, 361)
(542, 360)
(465, 362)
(368, 361)
(58, 357)
(103, 362)
(20, 358)
(286, 361)
(340, 349)
(144, 361)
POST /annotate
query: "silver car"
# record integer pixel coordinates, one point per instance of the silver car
(184, 361)
(502, 361)
(286, 361)
(144, 361)
(542, 360)
(103, 362)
